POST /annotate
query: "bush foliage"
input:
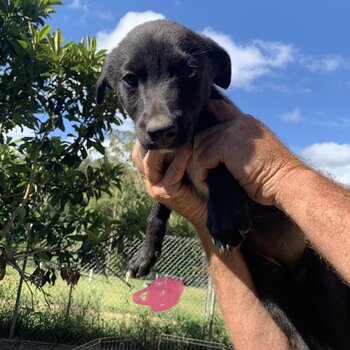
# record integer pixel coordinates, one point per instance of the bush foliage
(47, 94)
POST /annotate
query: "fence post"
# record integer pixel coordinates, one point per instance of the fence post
(159, 341)
(69, 300)
(212, 309)
(207, 294)
(18, 299)
(90, 274)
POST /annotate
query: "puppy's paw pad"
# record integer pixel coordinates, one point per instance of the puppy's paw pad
(142, 262)
(227, 232)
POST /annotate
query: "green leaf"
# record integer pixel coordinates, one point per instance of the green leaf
(22, 43)
(44, 31)
(57, 40)
(22, 214)
(55, 2)
(4, 6)
(50, 265)
(47, 85)
(94, 44)
(84, 51)
(93, 236)
(99, 147)
(78, 238)
(44, 256)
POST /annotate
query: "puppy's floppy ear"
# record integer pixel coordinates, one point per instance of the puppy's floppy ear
(221, 64)
(101, 87)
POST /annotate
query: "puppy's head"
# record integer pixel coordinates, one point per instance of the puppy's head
(163, 74)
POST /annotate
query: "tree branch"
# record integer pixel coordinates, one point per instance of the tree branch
(29, 187)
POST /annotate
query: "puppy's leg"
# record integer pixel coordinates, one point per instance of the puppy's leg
(228, 216)
(149, 252)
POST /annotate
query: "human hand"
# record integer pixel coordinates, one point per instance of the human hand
(250, 151)
(167, 187)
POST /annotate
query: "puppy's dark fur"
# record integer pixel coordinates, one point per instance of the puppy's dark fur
(164, 75)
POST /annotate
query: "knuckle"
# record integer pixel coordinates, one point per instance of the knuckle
(158, 195)
(176, 166)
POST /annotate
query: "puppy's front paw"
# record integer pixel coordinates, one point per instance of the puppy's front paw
(142, 261)
(228, 222)
(228, 215)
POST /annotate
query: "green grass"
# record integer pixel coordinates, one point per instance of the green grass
(108, 296)
(100, 307)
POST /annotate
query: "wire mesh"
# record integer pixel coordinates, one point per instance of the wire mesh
(111, 344)
(164, 342)
(68, 314)
(182, 258)
(171, 342)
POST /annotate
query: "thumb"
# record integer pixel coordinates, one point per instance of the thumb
(153, 166)
(177, 167)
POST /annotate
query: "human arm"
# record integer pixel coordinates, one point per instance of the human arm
(247, 321)
(272, 175)
(321, 208)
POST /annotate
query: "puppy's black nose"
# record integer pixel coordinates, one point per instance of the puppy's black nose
(162, 131)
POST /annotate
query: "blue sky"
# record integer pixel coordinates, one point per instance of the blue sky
(290, 60)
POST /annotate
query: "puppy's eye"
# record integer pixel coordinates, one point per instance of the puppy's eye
(190, 72)
(131, 80)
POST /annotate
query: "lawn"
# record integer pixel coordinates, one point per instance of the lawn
(107, 295)
(100, 306)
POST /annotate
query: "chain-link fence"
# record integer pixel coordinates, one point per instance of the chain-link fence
(163, 342)
(100, 304)
(111, 344)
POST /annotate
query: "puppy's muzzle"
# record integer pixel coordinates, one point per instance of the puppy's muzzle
(162, 131)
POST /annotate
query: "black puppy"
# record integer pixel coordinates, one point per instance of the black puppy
(164, 75)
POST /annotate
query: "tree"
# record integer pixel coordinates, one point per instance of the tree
(47, 90)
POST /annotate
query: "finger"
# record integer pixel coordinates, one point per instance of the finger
(224, 111)
(211, 137)
(153, 166)
(136, 157)
(207, 134)
(208, 152)
(206, 157)
(177, 167)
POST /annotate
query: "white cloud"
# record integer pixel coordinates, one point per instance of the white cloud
(294, 116)
(79, 5)
(250, 61)
(109, 40)
(326, 64)
(328, 153)
(104, 15)
(254, 59)
(336, 122)
(320, 119)
(295, 89)
(331, 157)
